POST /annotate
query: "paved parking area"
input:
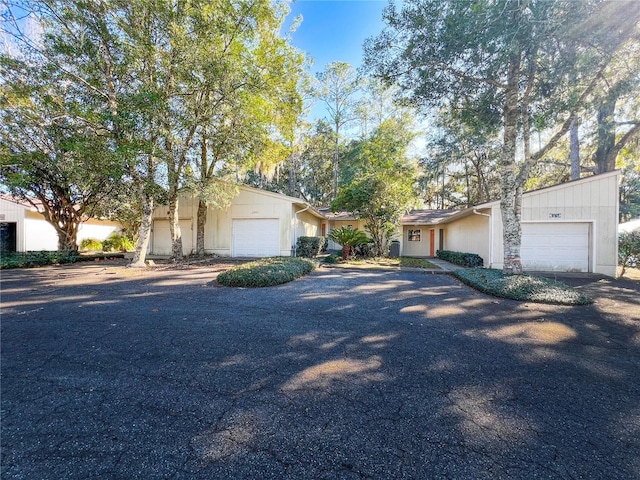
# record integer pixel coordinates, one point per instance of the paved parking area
(120, 374)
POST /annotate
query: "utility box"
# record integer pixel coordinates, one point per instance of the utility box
(395, 249)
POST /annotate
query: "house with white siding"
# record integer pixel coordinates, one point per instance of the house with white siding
(569, 227)
(258, 223)
(23, 228)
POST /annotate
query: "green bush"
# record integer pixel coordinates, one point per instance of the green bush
(333, 258)
(365, 249)
(628, 250)
(266, 272)
(91, 244)
(470, 260)
(348, 237)
(521, 287)
(36, 259)
(309, 247)
(118, 242)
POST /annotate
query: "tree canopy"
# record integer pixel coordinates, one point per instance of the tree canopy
(507, 65)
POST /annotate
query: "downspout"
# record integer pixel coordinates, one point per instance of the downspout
(490, 234)
(295, 229)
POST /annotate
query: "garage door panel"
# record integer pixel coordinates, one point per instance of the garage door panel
(555, 246)
(256, 237)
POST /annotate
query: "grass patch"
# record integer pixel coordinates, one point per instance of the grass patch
(266, 272)
(417, 263)
(525, 288)
(408, 262)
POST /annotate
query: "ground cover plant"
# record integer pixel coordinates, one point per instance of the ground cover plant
(521, 287)
(43, 258)
(266, 272)
(36, 259)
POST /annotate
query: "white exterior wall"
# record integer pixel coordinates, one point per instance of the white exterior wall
(471, 234)
(34, 233)
(423, 247)
(307, 225)
(38, 234)
(248, 204)
(592, 200)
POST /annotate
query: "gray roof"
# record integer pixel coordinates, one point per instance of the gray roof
(427, 217)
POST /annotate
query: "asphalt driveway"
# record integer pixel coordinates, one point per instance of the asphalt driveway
(119, 374)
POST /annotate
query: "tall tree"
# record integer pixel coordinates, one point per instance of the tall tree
(228, 86)
(100, 55)
(54, 149)
(161, 81)
(504, 61)
(381, 189)
(336, 88)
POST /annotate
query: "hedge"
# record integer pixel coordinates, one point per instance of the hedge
(266, 272)
(470, 260)
(309, 247)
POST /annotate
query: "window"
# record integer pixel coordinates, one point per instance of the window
(414, 235)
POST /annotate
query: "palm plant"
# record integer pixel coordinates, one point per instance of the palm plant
(347, 237)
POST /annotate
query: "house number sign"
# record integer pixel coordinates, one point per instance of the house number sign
(555, 215)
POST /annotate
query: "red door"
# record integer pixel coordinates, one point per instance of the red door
(432, 242)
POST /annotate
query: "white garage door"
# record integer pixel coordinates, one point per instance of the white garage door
(256, 238)
(560, 247)
(162, 237)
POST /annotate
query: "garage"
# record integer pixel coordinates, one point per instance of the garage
(554, 246)
(256, 237)
(162, 237)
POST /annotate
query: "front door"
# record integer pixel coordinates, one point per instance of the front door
(432, 242)
(7, 237)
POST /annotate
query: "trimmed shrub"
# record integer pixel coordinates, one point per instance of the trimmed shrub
(36, 259)
(628, 250)
(470, 260)
(118, 242)
(526, 288)
(266, 272)
(309, 247)
(91, 244)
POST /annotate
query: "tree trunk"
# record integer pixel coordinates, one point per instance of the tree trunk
(144, 233)
(335, 167)
(200, 223)
(345, 252)
(67, 236)
(510, 203)
(606, 135)
(174, 226)
(575, 150)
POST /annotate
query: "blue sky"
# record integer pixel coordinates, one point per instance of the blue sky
(334, 30)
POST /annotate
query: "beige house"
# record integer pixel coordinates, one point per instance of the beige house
(23, 228)
(256, 224)
(567, 227)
